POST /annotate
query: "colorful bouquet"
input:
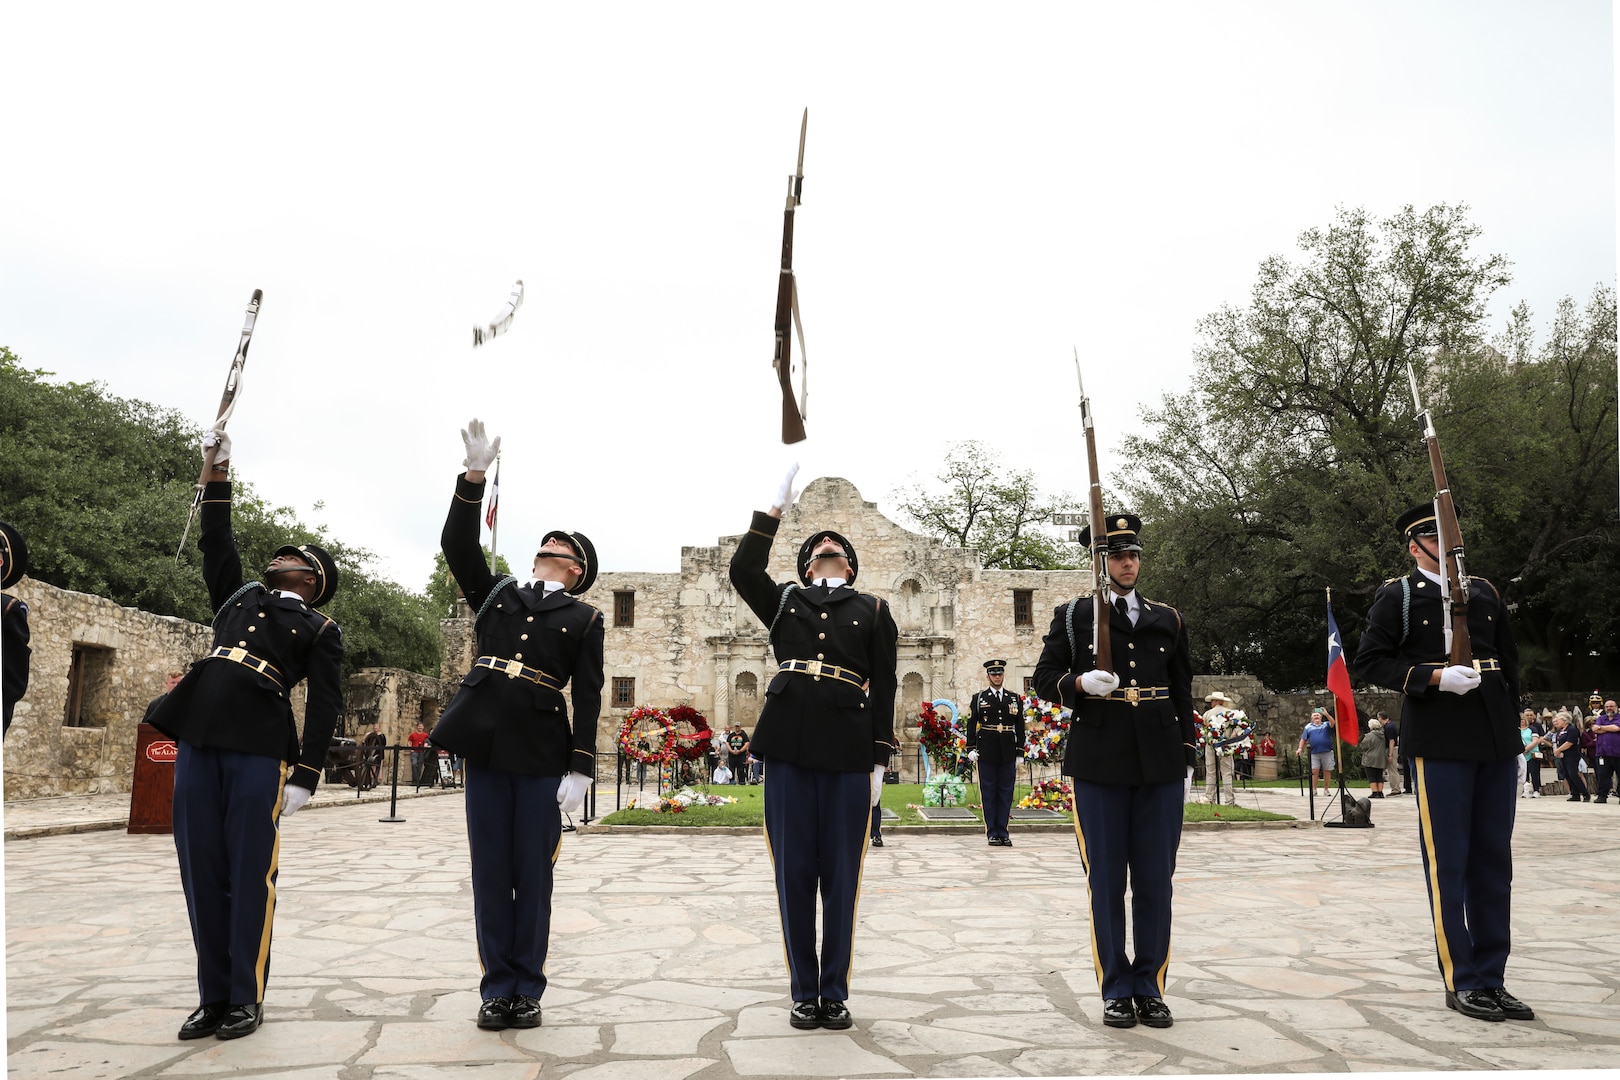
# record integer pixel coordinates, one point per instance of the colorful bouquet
(1049, 795)
(941, 739)
(1228, 730)
(944, 789)
(1047, 726)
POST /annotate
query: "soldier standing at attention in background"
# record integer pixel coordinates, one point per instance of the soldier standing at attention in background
(995, 740)
(1131, 751)
(14, 650)
(234, 727)
(825, 735)
(524, 764)
(1460, 731)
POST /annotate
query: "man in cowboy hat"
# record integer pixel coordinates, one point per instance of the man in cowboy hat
(995, 740)
(524, 763)
(1131, 750)
(14, 651)
(825, 735)
(233, 723)
(1460, 726)
(1219, 777)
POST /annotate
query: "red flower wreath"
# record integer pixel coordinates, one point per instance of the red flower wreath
(634, 730)
(691, 731)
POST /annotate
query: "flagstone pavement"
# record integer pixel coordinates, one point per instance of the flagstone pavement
(1296, 950)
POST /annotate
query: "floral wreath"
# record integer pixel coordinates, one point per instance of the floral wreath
(1047, 725)
(690, 729)
(1048, 795)
(1228, 731)
(634, 729)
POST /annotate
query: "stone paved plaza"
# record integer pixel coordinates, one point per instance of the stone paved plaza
(1296, 950)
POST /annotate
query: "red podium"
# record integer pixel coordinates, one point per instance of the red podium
(151, 791)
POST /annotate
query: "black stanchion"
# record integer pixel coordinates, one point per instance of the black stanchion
(393, 789)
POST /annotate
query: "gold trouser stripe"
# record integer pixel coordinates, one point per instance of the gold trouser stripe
(262, 964)
(860, 877)
(770, 849)
(1091, 917)
(1426, 829)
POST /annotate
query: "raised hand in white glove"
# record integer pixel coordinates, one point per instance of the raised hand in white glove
(1099, 683)
(219, 439)
(786, 493)
(571, 792)
(293, 799)
(877, 783)
(480, 451)
(973, 755)
(1458, 679)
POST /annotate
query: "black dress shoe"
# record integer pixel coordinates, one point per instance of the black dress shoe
(804, 1014)
(1479, 1004)
(524, 1012)
(877, 841)
(1153, 1011)
(1512, 1007)
(205, 1021)
(239, 1020)
(1117, 1012)
(994, 842)
(835, 1015)
(495, 1014)
(1006, 841)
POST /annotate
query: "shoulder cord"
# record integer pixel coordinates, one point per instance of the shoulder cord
(490, 599)
(1406, 609)
(235, 596)
(1068, 619)
(787, 590)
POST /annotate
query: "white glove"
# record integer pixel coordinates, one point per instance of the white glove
(877, 783)
(973, 755)
(1458, 679)
(219, 439)
(571, 792)
(1186, 788)
(786, 493)
(1099, 683)
(293, 799)
(480, 451)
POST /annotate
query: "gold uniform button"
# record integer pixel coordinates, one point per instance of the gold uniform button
(565, 629)
(1130, 645)
(856, 622)
(517, 656)
(815, 678)
(241, 644)
(822, 636)
(523, 637)
(1421, 584)
(252, 628)
(821, 656)
(261, 614)
(793, 611)
(529, 619)
(1425, 622)
(500, 605)
(823, 614)
(295, 631)
(1133, 663)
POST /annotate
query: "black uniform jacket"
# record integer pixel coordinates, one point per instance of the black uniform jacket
(14, 653)
(507, 721)
(1482, 725)
(820, 722)
(1115, 742)
(996, 747)
(223, 704)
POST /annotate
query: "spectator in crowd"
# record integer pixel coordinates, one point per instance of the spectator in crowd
(418, 741)
(1567, 751)
(1268, 745)
(1588, 759)
(1606, 729)
(1529, 739)
(737, 751)
(168, 684)
(1539, 747)
(722, 774)
(1374, 756)
(1317, 740)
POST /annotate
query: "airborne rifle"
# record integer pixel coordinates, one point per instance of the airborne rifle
(1101, 647)
(1453, 565)
(787, 312)
(227, 405)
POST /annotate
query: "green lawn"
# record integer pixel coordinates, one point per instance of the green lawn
(749, 810)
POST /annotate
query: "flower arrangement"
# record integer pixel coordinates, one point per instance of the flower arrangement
(1047, 726)
(646, 735)
(1228, 730)
(691, 732)
(678, 802)
(944, 789)
(940, 738)
(1049, 795)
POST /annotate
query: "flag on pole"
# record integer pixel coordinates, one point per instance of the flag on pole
(1338, 680)
(494, 496)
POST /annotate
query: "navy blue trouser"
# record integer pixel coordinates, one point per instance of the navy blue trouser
(1465, 825)
(514, 831)
(996, 788)
(227, 810)
(1129, 835)
(816, 827)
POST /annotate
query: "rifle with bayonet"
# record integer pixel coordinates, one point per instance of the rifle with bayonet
(1449, 542)
(1101, 647)
(787, 312)
(227, 405)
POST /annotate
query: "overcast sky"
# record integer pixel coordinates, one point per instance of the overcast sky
(985, 188)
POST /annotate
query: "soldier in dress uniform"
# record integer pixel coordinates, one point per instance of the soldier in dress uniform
(1131, 749)
(825, 735)
(995, 740)
(234, 727)
(524, 763)
(14, 651)
(1460, 732)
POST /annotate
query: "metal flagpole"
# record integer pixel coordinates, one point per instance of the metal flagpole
(494, 512)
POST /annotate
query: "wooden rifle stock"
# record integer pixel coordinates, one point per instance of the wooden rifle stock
(1448, 542)
(792, 419)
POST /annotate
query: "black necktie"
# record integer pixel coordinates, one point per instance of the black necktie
(1122, 607)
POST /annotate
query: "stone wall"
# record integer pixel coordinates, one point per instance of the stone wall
(393, 698)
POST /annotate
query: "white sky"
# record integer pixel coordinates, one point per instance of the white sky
(985, 187)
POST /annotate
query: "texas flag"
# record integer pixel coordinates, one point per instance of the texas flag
(1338, 680)
(494, 497)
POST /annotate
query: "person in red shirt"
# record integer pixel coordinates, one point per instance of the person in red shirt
(1268, 745)
(418, 740)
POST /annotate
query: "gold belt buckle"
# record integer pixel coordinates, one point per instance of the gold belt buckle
(812, 667)
(511, 669)
(1132, 695)
(236, 654)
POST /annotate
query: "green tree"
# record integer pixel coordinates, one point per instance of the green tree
(1276, 475)
(986, 507)
(441, 590)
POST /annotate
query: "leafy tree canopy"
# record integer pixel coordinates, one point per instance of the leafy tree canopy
(441, 590)
(980, 504)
